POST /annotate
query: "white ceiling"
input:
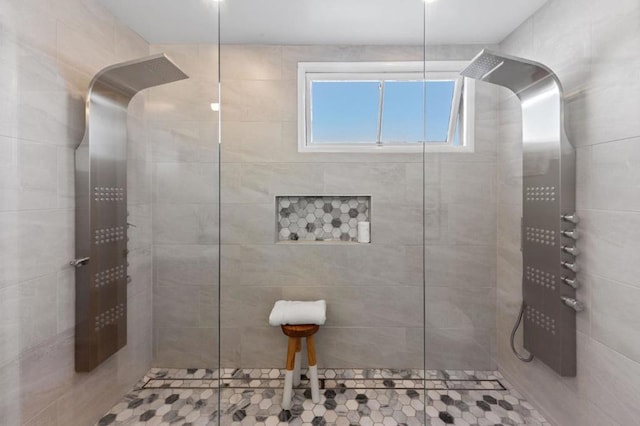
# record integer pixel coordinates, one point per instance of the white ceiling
(324, 21)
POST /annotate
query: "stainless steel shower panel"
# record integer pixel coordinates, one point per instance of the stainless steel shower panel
(101, 207)
(548, 222)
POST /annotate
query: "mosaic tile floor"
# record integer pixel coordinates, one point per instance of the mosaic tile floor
(348, 397)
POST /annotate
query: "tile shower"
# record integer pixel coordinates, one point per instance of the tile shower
(418, 321)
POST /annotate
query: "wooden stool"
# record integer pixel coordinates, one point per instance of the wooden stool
(292, 376)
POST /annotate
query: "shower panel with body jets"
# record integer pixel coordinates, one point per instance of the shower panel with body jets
(548, 221)
(101, 207)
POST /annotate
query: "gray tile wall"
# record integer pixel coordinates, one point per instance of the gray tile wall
(594, 46)
(48, 54)
(375, 292)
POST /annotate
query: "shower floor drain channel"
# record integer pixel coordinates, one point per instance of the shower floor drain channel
(275, 379)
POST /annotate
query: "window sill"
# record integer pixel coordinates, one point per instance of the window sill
(388, 149)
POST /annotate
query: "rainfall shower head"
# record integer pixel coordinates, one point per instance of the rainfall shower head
(513, 73)
(131, 77)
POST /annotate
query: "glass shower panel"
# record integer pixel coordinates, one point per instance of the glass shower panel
(289, 219)
(184, 145)
(460, 204)
(183, 134)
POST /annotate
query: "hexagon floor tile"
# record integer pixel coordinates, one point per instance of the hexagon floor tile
(348, 397)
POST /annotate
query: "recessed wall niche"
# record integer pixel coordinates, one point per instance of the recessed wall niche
(321, 217)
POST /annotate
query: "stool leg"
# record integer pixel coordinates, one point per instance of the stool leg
(313, 370)
(288, 378)
(298, 361)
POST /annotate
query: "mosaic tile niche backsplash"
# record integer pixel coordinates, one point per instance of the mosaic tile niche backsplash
(321, 218)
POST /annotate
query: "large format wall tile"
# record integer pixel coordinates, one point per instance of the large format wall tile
(609, 176)
(248, 224)
(186, 264)
(329, 264)
(610, 244)
(185, 223)
(609, 381)
(252, 142)
(36, 243)
(247, 62)
(178, 141)
(460, 308)
(371, 347)
(460, 348)
(26, 317)
(183, 183)
(255, 100)
(614, 315)
(365, 306)
(460, 266)
(382, 181)
(184, 347)
(29, 177)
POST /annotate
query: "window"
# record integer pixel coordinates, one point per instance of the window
(384, 106)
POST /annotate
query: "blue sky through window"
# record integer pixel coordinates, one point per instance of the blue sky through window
(402, 119)
(347, 111)
(438, 109)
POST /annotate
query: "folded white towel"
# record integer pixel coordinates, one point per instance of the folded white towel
(294, 312)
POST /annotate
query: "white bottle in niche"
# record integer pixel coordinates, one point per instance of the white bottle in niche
(364, 232)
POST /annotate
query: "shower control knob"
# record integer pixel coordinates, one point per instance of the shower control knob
(573, 218)
(571, 234)
(571, 266)
(571, 282)
(79, 262)
(573, 303)
(571, 250)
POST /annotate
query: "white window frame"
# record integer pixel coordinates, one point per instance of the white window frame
(367, 71)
